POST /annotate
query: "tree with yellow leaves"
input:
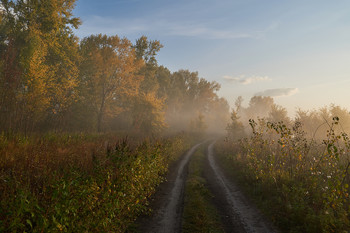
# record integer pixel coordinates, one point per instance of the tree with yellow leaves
(148, 113)
(148, 106)
(108, 75)
(39, 61)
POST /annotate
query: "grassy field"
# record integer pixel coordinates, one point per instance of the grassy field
(80, 183)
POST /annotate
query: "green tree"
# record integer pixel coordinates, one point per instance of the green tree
(163, 76)
(190, 95)
(146, 51)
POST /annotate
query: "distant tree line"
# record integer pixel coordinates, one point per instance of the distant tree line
(315, 123)
(50, 80)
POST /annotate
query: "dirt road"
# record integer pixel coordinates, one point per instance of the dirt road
(238, 215)
(241, 212)
(168, 201)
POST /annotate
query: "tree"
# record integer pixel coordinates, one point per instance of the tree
(148, 113)
(278, 114)
(218, 115)
(343, 115)
(109, 74)
(163, 76)
(235, 129)
(259, 106)
(311, 121)
(37, 75)
(238, 103)
(189, 96)
(198, 125)
(146, 51)
(148, 106)
(194, 93)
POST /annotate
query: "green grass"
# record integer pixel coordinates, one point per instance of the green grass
(200, 215)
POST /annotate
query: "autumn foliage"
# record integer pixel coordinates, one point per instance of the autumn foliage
(50, 80)
(65, 104)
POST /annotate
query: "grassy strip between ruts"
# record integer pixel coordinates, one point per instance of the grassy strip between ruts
(200, 214)
(80, 184)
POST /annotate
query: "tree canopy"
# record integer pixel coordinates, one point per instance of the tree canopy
(52, 80)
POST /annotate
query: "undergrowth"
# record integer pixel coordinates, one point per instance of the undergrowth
(302, 184)
(200, 214)
(79, 183)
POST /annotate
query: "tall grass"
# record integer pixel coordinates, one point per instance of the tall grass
(301, 183)
(79, 183)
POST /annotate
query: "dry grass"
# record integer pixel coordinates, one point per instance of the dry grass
(79, 182)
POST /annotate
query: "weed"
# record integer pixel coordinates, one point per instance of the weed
(301, 183)
(79, 183)
(200, 215)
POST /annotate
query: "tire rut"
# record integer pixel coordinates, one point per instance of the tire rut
(237, 214)
(168, 216)
(243, 216)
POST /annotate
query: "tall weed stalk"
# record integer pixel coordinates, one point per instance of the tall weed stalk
(301, 183)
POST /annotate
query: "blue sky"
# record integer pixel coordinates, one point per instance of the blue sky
(296, 51)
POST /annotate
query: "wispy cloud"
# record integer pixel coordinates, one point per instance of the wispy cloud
(247, 80)
(110, 25)
(207, 32)
(278, 92)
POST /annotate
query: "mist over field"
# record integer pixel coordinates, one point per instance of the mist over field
(101, 101)
(55, 77)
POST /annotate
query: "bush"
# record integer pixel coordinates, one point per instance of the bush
(302, 184)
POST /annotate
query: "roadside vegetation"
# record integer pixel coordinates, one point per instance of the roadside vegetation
(78, 183)
(66, 103)
(300, 182)
(200, 214)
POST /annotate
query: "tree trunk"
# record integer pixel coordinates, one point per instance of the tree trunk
(100, 116)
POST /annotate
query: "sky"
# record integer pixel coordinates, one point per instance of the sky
(297, 52)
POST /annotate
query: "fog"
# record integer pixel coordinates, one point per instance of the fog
(107, 83)
(315, 124)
